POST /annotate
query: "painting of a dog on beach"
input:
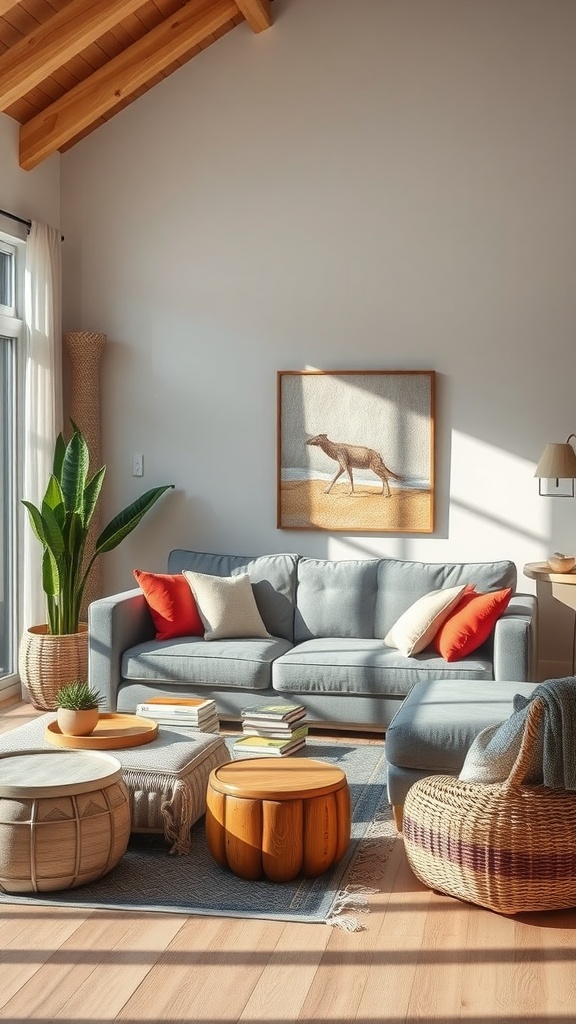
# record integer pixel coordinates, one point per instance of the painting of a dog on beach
(356, 450)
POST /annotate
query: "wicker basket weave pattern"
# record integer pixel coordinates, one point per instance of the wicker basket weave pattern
(46, 662)
(509, 847)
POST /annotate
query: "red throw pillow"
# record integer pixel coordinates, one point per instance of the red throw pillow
(471, 623)
(171, 603)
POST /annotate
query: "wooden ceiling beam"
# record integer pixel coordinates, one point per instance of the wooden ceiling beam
(257, 13)
(7, 5)
(119, 78)
(48, 47)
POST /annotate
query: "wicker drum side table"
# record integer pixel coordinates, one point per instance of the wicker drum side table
(277, 819)
(64, 818)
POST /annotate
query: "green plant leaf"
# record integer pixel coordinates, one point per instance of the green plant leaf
(54, 501)
(126, 520)
(52, 534)
(50, 574)
(35, 517)
(91, 495)
(59, 451)
(74, 472)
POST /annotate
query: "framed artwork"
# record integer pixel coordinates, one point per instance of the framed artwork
(356, 450)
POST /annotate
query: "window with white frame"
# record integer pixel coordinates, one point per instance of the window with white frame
(11, 338)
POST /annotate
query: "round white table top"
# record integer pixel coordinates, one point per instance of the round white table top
(542, 571)
(28, 774)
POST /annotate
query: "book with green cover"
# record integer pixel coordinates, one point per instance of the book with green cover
(275, 712)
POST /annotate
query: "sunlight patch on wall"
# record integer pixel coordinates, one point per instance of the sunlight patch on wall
(496, 489)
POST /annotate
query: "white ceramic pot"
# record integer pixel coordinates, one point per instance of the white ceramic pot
(77, 723)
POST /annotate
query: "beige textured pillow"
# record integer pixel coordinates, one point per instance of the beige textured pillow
(417, 627)
(227, 606)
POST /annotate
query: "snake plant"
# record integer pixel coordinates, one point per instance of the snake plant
(61, 525)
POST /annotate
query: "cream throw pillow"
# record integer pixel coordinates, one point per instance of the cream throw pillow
(227, 606)
(417, 627)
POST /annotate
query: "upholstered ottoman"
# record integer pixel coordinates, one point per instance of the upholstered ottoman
(166, 779)
(434, 727)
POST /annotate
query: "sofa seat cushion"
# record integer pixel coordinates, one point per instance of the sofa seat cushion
(436, 724)
(241, 664)
(347, 666)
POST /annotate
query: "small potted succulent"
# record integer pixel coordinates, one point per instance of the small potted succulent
(78, 708)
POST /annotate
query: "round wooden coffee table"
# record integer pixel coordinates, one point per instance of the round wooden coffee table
(277, 819)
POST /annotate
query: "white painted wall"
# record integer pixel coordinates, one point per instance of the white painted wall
(372, 186)
(32, 195)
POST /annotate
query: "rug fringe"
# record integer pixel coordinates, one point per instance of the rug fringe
(367, 866)
(353, 897)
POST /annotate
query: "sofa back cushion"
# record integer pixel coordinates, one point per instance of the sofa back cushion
(401, 583)
(273, 579)
(335, 599)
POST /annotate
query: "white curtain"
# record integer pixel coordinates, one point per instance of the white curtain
(43, 395)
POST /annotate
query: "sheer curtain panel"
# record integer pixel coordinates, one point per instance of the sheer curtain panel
(43, 395)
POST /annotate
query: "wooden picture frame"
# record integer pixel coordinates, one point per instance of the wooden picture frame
(355, 450)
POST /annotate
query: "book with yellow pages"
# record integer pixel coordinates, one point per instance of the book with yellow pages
(265, 746)
(295, 734)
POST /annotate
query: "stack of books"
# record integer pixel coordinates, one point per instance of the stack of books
(193, 713)
(271, 730)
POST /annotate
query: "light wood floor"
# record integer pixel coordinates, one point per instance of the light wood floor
(421, 957)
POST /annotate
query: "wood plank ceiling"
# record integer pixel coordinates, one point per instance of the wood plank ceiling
(67, 66)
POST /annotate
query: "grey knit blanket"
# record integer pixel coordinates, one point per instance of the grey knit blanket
(553, 763)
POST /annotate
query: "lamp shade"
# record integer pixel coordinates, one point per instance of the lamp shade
(557, 462)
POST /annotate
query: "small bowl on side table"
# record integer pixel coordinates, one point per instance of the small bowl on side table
(561, 563)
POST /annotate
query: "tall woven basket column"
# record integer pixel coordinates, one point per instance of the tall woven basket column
(507, 846)
(85, 350)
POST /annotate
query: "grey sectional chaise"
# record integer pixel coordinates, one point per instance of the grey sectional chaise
(327, 621)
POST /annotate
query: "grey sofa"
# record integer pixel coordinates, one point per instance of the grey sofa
(327, 620)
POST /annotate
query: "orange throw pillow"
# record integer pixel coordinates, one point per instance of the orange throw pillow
(171, 603)
(471, 623)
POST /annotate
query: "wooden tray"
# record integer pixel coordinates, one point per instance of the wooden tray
(113, 731)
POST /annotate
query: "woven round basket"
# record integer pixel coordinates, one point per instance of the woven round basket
(64, 818)
(47, 662)
(509, 847)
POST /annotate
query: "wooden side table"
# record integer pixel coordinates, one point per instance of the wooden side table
(563, 589)
(277, 819)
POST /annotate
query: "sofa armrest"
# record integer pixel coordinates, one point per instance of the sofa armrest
(516, 640)
(114, 624)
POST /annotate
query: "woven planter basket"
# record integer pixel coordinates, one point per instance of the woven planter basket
(47, 662)
(509, 847)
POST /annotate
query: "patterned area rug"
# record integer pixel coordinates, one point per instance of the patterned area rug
(149, 879)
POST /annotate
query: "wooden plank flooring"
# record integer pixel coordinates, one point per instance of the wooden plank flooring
(421, 957)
